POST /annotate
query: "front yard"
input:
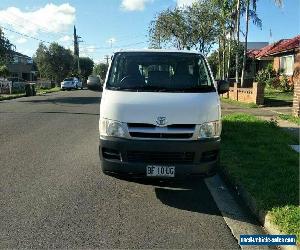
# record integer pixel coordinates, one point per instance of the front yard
(275, 97)
(256, 154)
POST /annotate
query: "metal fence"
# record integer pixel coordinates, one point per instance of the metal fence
(5, 86)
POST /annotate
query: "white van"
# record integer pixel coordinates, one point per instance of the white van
(160, 114)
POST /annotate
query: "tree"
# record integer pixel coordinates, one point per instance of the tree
(215, 65)
(170, 27)
(42, 59)
(185, 28)
(225, 23)
(237, 25)
(100, 69)
(251, 14)
(6, 49)
(4, 71)
(54, 62)
(86, 66)
(61, 61)
(201, 19)
(246, 41)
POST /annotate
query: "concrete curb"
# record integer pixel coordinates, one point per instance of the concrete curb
(261, 215)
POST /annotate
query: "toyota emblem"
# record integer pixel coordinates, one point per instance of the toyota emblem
(161, 121)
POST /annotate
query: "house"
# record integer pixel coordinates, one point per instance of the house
(21, 67)
(280, 54)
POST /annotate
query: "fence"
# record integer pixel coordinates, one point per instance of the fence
(9, 87)
(248, 95)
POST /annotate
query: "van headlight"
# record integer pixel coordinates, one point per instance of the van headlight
(112, 128)
(210, 130)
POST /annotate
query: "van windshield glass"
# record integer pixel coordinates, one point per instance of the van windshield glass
(150, 71)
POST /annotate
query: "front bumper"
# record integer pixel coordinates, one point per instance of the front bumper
(67, 87)
(202, 157)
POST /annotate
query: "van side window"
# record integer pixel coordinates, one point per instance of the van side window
(204, 78)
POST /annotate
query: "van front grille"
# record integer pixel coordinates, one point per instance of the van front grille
(160, 157)
(150, 131)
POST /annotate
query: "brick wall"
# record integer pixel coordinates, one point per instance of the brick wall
(248, 95)
(276, 64)
(296, 81)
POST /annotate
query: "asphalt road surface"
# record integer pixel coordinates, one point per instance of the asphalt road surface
(53, 193)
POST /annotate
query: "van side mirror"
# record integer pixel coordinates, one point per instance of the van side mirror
(223, 86)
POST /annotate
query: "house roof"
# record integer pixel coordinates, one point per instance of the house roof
(21, 55)
(283, 45)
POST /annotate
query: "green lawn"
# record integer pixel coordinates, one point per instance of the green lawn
(289, 118)
(240, 104)
(277, 97)
(256, 154)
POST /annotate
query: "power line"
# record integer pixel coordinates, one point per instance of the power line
(25, 35)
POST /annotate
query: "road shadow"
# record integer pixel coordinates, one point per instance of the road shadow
(66, 100)
(188, 193)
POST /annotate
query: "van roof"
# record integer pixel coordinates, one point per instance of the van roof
(159, 51)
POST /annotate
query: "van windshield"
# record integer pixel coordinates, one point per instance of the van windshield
(68, 79)
(158, 71)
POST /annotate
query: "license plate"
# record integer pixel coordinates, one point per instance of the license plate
(165, 171)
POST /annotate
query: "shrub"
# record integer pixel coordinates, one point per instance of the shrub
(285, 84)
(266, 76)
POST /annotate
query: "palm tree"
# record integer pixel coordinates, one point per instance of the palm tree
(257, 21)
(224, 8)
(238, 16)
(246, 40)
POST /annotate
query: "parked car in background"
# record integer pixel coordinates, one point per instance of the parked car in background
(94, 82)
(71, 83)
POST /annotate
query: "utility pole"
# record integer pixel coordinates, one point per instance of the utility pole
(76, 49)
(106, 58)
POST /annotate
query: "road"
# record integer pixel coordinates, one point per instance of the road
(53, 194)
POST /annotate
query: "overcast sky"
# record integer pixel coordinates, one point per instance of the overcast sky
(106, 25)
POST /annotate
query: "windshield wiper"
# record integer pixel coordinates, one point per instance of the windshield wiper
(139, 88)
(199, 89)
(121, 88)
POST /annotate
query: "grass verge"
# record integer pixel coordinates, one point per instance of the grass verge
(38, 92)
(46, 91)
(12, 96)
(290, 118)
(240, 104)
(256, 153)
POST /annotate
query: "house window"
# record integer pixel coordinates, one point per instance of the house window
(16, 59)
(286, 65)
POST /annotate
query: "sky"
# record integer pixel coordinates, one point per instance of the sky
(107, 25)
